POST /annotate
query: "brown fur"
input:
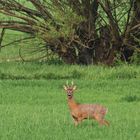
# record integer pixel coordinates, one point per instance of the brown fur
(80, 112)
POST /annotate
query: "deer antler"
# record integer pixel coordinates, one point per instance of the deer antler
(72, 83)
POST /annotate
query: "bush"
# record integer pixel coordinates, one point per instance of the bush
(135, 59)
(131, 98)
(123, 75)
(76, 74)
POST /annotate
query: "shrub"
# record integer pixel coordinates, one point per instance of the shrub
(131, 98)
(76, 74)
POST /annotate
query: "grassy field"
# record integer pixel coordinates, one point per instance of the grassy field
(33, 104)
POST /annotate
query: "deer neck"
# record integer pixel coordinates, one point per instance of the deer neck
(72, 104)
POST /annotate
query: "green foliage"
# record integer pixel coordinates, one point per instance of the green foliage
(64, 17)
(135, 59)
(77, 74)
(131, 98)
(118, 61)
(59, 26)
(119, 13)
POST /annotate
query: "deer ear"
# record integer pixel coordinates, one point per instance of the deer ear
(74, 87)
(65, 88)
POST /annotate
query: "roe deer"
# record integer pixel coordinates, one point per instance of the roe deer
(80, 112)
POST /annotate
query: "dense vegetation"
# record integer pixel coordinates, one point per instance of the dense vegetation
(78, 31)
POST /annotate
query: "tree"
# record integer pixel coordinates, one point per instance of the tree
(78, 31)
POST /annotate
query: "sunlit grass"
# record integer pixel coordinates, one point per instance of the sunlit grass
(32, 108)
(43, 70)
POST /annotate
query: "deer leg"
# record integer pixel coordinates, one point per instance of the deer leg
(78, 120)
(105, 122)
(75, 120)
(101, 120)
(82, 117)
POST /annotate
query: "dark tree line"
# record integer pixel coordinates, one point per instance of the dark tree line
(78, 31)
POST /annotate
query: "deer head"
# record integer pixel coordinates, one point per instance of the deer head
(69, 89)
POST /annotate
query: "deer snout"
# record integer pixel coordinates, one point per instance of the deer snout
(69, 94)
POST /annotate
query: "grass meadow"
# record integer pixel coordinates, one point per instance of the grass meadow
(33, 104)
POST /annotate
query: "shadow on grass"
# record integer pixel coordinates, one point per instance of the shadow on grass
(75, 74)
(123, 75)
(130, 98)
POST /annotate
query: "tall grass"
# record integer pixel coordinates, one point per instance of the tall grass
(33, 105)
(36, 70)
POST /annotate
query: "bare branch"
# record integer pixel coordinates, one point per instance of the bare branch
(18, 27)
(1, 37)
(19, 40)
(42, 9)
(113, 23)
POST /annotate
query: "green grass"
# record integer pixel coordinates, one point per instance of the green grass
(16, 70)
(34, 106)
